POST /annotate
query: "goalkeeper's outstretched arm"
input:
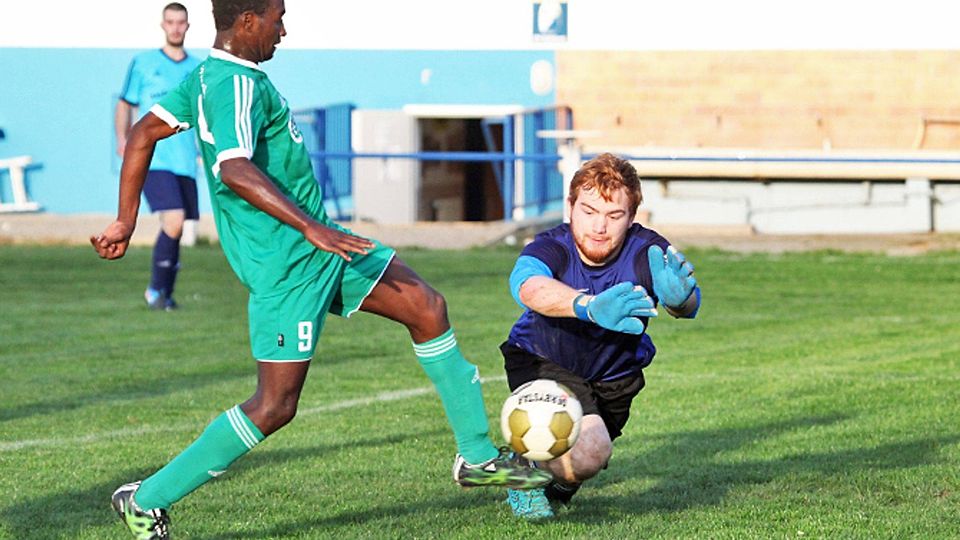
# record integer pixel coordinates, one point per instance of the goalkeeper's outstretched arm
(618, 308)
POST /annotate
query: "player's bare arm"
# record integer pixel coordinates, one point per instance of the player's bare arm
(122, 117)
(112, 243)
(246, 180)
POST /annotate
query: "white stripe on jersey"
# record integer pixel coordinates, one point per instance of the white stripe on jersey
(243, 103)
(228, 154)
(168, 118)
(242, 123)
(248, 121)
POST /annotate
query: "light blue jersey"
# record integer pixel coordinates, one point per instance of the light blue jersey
(151, 75)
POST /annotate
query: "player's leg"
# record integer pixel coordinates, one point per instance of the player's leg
(401, 295)
(163, 193)
(606, 412)
(172, 223)
(398, 293)
(281, 371)
(588, 456)
(606, 408)
(143, 505)
(523, 367)
(230, 435)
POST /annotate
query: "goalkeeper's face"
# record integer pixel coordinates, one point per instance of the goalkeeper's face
(600, 225)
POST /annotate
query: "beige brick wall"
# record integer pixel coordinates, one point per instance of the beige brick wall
(763, 99)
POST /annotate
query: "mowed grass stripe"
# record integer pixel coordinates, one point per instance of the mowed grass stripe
(93, 438)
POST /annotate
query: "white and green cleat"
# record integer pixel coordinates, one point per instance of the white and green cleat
(144, 524)
(505, 470)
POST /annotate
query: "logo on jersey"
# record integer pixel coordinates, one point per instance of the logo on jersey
(291, 125)
(279, 340)
(294, 130)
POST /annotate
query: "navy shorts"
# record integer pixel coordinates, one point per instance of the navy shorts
(167, 191)
(609, 399)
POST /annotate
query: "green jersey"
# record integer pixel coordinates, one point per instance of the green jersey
(238, 113)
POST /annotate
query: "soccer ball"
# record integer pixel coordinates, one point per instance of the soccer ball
(541, 420)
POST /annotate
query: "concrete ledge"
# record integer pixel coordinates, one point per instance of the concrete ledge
(43, 228)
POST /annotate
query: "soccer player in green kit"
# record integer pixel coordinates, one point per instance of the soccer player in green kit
(297, 264)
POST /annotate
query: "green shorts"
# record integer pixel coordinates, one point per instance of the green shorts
(284, 327)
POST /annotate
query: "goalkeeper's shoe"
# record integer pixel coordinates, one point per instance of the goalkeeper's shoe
(529, 504)
(144, 524)
(506, 470)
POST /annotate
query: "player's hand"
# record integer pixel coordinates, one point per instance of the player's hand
(619, 308)
(673, 280)
(336, 242)
(112, 243)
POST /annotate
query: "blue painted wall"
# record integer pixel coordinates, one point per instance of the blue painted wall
(57, 104)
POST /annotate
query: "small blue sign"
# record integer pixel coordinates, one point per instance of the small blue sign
(550, 20)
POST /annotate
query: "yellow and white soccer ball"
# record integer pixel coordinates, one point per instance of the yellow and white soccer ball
(541, 420)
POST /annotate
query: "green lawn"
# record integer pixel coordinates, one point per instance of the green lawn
(817, 395)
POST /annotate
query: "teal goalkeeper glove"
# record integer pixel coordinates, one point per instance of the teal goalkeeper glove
(617, 308)
(673, 280)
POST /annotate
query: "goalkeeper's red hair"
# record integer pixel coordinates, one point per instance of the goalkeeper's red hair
(606, 174)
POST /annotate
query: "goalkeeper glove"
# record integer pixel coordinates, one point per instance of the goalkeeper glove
(673, 280)
(617, 308)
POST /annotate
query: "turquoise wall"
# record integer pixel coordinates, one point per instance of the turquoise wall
(57, 104)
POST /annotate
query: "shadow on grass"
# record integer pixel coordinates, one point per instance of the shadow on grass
(687, 474)
(684, 467)
(126, 389)
(88, 508)
(324, 527)
(696, 480)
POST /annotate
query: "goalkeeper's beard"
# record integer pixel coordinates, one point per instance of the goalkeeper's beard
(592, 252)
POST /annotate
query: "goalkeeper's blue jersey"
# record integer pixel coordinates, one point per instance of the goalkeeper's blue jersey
(151, 75)
(592, 352)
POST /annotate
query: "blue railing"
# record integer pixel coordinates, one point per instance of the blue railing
(333, 157)
(506, 178)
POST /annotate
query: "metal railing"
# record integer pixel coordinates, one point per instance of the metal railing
(506, 177)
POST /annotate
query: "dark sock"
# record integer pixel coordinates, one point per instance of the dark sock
(560, 492)
(166, 262)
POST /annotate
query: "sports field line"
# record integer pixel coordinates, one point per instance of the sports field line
(92, 438)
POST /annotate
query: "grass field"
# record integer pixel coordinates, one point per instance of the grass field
(817, 395)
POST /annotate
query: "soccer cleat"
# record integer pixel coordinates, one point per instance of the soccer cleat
(144, 524)
(529, 504)
(505, 470)
(158, 301)
(154, 299)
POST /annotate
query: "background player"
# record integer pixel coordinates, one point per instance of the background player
(297, 264)
(585, 287)
(170, 189)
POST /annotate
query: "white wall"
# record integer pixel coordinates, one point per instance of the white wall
(507, 24)
(811, 207)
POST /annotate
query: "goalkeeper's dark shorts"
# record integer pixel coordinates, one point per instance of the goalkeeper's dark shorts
(611, 399)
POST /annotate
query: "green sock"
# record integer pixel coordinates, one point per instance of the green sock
(228, 437)
(458, 383)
